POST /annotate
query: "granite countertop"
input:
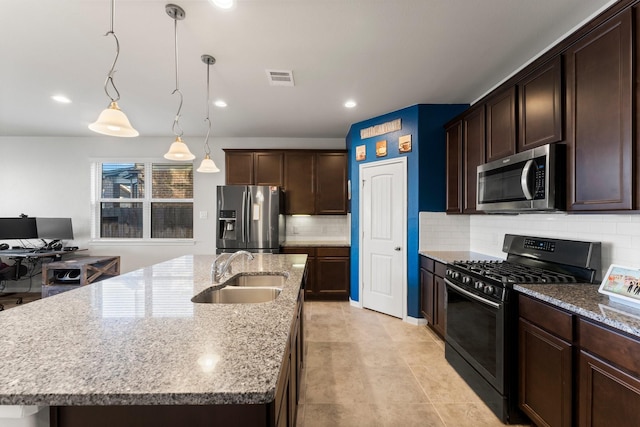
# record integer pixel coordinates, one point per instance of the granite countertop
(137, 339)
(451, 256)
(318, 243)
(586, 301)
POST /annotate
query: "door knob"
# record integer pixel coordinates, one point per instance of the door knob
(397, 248)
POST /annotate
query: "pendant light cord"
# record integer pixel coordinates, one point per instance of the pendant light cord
(176, 121)
(109, 80)
(207, 149)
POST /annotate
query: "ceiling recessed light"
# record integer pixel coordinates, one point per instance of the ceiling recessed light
(350, 104)
(220, 103)
(223, 4)
(61, 99)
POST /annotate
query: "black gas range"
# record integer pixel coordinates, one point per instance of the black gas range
(481, 330)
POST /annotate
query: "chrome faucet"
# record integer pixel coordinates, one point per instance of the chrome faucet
(219, 270)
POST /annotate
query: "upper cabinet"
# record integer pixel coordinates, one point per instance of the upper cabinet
(600, 118)
(501, 124)
(244, 167)
(540, 102)
(314, 181)
(453, 133)
(473, 153)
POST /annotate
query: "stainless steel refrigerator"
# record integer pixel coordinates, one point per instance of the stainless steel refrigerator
(250, 217)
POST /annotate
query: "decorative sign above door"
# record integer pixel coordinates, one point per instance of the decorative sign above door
(381, 129)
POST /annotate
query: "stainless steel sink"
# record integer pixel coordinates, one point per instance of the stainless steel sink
(237, 295)
(252, 280)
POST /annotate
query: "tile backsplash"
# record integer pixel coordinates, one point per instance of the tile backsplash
(619, 234)
(318, 227)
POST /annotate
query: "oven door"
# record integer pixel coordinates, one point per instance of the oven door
(476, 330)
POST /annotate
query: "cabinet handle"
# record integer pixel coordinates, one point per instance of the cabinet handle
(397, 248)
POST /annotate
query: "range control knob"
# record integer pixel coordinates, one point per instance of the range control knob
(479, 285)
(466, 280)
(448, 272)
(489, 289)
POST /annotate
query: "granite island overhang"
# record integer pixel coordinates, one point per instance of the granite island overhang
(137, 339)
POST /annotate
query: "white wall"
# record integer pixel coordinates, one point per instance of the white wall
(50, 177)
(619, 234)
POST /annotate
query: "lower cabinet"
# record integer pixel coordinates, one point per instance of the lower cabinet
(575, 372)
(328, 271)
(545, 363)
(432, 294)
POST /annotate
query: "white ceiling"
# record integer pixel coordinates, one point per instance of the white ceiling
(385, 54)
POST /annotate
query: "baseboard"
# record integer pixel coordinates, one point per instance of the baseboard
(353, 303)
(418, 321)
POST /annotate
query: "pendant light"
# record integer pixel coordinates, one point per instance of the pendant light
(112, 121)
(178, 150)
(207, 165)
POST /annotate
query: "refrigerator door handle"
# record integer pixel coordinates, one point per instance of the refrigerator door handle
(247, 225)
(243, 216)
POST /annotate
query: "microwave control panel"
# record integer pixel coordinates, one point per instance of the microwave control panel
(539, 181)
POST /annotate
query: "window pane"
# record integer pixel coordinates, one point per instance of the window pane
(171, 181)
(172, 220)
(122, 180)
(121, 220)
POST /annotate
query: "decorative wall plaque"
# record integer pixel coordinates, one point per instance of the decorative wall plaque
(404, 143)
(381, 129)
(361, 152)
(381, 148)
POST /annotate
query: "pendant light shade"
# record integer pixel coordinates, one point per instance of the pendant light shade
(207, 165)
(179, 151)
(112, 121)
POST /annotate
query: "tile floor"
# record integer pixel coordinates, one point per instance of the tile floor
(364, 368)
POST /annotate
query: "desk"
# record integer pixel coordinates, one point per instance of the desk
(19, 255)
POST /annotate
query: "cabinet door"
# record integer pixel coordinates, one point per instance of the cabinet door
(439, 311)
(473, 149)
(299, 183)
(332, 277)
(540, 101)
(545, 375)
(268, 168)
(238, 168)
(608, 396)
(599, 118)
(331, 184)
(501, 124)
(454, 167)
(427, 295)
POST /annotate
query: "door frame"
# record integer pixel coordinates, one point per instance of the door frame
(362, 166)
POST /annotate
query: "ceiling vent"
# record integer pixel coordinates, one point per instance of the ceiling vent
(280, 77)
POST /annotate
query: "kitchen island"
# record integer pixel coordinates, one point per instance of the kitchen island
(134, 349)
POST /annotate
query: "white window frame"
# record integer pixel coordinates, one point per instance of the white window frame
(147, 201)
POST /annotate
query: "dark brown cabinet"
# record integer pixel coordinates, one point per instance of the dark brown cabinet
(545, 363)
(473, 127)
(609, 377)
(315, 183)
(299, 183)
(599, 79)
(501, 124)
(432, 294)
(540, 106)
(328, 275)
(254, 168)
(453, 134)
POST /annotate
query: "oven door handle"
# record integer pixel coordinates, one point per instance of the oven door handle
(471, 295)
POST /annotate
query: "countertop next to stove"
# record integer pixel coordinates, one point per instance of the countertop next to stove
(585, 300)
(451, 256)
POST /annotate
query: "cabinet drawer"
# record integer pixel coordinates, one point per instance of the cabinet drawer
(298, 250)
(617, 348)
(552, 319)
(333, 252)
(427, 263)
(440, 269)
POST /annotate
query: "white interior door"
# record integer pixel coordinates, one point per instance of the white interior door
(383, 218)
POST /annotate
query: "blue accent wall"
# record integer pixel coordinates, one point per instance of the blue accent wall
(426, 174)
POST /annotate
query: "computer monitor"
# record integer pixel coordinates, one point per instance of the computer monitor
(18, 228)
(54, 228)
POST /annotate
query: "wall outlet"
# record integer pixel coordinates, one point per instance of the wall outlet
(204, 214)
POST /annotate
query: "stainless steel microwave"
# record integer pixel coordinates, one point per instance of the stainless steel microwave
(533, 180)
